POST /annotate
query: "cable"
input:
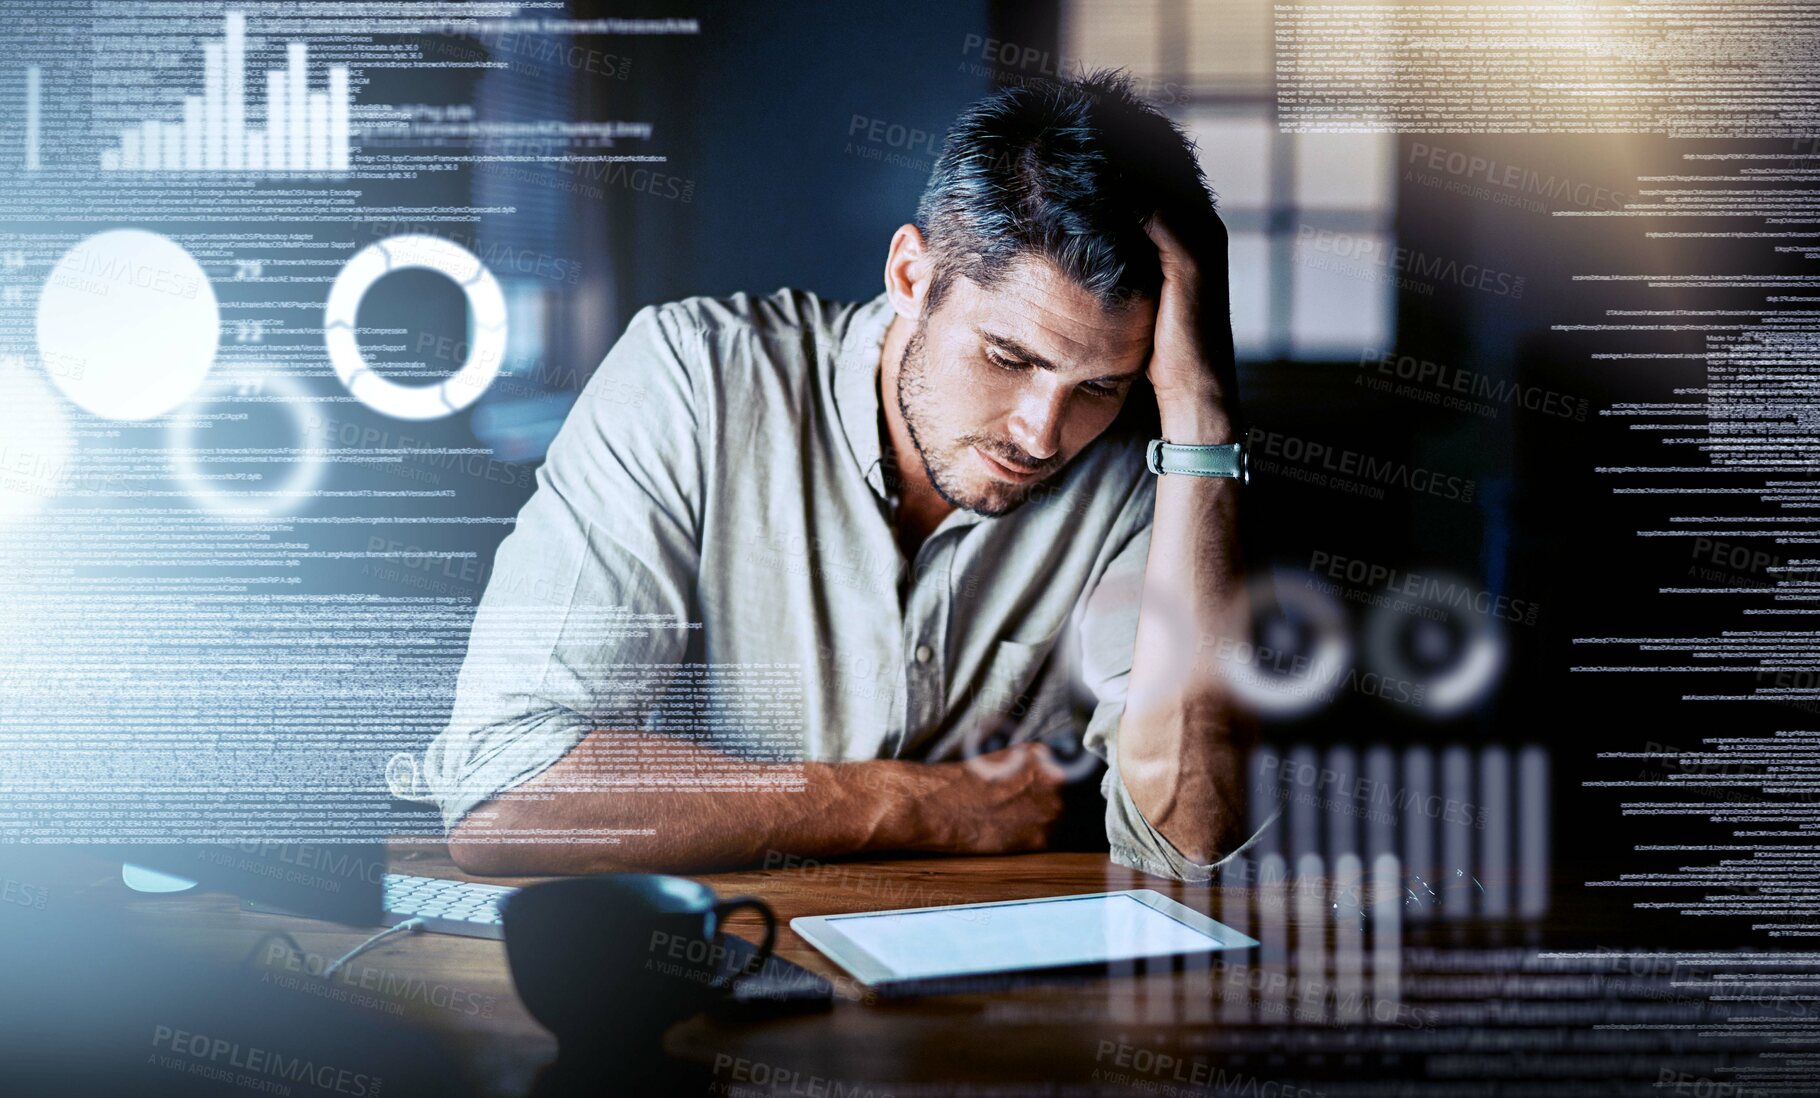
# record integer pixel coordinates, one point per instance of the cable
(405, 927)
(282, 936)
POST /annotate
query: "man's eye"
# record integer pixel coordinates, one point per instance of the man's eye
(1003, 363)
(1103, 388)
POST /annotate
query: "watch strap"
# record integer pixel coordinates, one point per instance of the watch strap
(1225, 460)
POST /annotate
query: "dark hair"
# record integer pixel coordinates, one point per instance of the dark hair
(1066, 170)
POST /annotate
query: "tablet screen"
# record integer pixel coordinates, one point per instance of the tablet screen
(1005, 938)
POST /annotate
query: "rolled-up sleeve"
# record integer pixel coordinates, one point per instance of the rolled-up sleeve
(1108, 619)
(592, 590)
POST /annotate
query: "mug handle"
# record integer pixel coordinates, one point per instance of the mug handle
(727, 907)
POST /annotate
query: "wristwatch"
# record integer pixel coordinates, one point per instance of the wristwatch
(1230, 460)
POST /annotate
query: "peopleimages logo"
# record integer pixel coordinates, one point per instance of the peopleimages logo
(1015, 62)
(1416, 268)
(1146, 1069)
(87, 268)
(1351, 463)
(1378, 799)
(218, 1058)
(1430, 589)
(1474, 384)
(1512, 178)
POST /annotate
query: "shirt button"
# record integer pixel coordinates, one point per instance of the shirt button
(924, 653)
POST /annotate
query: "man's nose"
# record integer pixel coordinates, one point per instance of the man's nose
(1036, 424)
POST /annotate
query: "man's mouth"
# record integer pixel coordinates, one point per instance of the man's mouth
(1005, 470)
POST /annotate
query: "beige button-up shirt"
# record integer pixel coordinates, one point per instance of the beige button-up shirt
(710, 551)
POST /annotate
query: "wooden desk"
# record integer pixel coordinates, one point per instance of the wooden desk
(461, 987)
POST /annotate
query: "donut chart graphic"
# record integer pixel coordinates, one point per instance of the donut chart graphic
(486, 352)
(1475, 657)
(265, 501)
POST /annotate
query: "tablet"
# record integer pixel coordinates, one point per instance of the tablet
(938, 943)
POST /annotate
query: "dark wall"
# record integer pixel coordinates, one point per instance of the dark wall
(768, 116)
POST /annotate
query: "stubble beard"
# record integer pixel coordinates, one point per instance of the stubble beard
(915, 404)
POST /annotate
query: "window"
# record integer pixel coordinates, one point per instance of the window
(1310, 215)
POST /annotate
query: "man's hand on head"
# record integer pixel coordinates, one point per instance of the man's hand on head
(1191, 362)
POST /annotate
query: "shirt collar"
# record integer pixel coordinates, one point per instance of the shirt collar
(856, 387)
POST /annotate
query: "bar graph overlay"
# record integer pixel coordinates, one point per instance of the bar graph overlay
(34, 106)
(305, 130)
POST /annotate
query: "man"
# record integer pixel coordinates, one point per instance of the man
(792, 567)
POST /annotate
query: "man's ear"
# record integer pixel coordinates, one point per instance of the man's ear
(909, 271)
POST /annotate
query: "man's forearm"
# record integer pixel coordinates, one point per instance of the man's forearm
(863, 807)
(837, 809)
(1182, 741)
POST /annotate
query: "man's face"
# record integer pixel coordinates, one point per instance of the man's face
(1001, 387)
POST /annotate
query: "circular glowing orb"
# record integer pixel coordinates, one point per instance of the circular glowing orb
(127, 324)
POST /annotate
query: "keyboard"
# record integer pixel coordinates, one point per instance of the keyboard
(446, 907)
